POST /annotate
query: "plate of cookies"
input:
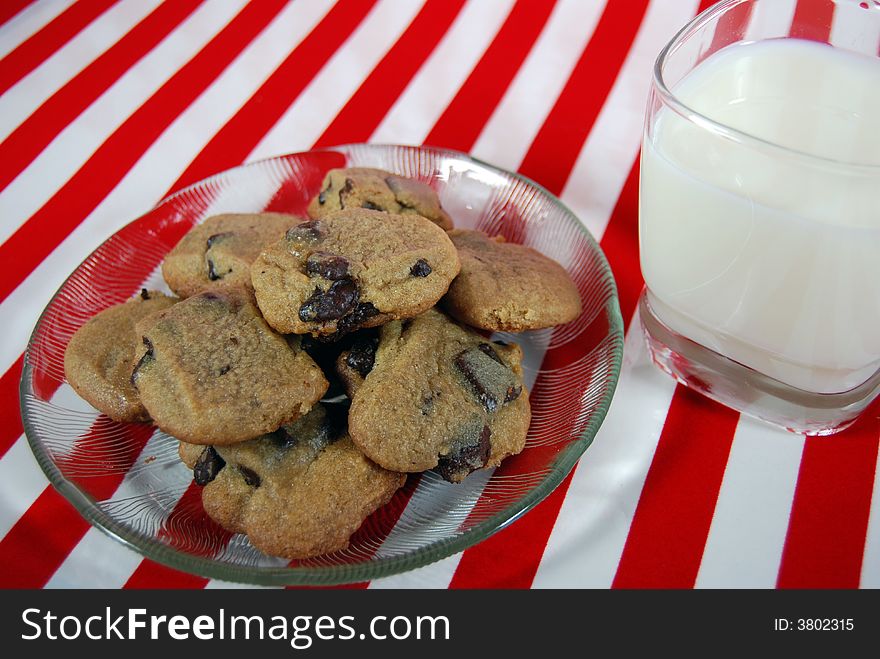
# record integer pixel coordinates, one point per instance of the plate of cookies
(325, 367)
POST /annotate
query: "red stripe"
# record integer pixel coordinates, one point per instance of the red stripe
(812, 20)
(371, 102)
(51, 525)
(12, 7)
(509, 558)
(43, 537)
(829, 515)
(10, 416)
(61, 214)
(240, 135)
(671, 524)
(570, 121)
(555, 149)
(730, 27)
(20, 148)
(460, 124)
(620, 242)
(31, 53)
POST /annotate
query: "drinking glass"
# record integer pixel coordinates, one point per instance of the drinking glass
(761, 256)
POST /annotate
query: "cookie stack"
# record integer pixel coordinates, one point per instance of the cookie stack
(309, 364)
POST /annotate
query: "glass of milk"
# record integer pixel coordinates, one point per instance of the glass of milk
(759, 209)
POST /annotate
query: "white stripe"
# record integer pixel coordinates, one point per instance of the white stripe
(432, 89)
(604, 162)
(156, 171)
(750, 521)
(28, 22)
(593, 523)
(30, 92)
(527, 102)
(871, 557)
(97, 561)
(21, 482)
(855, 28)
(305, 120)
(435, 575)
(79, 140)
(770, 19)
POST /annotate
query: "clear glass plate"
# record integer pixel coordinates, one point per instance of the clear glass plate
(127, 480)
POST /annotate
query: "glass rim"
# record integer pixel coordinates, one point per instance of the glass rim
(704, 122)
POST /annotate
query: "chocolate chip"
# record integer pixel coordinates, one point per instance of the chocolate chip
(207, 466)
(328, 266)
(322, 197)
(250, 476)
(362, 312)
(470, 451)
(362, 356)
(346, 190)
(225, 369)
(146, 358)
(488, 378)
(369, 205)
(334, 303)
(212, 273)
(306, 231)
(217, 237)
(145, 294)
(420, 269)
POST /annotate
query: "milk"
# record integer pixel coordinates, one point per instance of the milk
(767, 255)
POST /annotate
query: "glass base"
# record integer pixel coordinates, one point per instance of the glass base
(748, 391)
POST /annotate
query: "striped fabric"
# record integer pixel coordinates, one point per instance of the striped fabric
(108, 105)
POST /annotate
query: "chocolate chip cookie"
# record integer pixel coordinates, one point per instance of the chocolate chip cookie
(99, 357)
(439, 396)
(299, 492)
(376, 189)
(507, 287)
(221, 249)
(211, 371)
(355, 268)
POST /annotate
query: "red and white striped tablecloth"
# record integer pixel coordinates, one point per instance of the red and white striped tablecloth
(107, 105)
